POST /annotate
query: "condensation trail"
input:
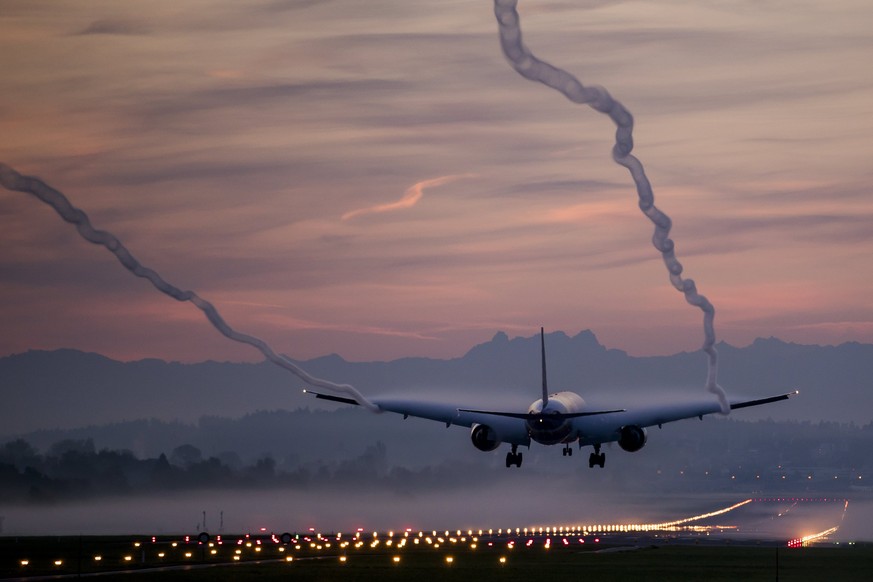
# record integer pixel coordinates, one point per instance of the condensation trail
(598, 98)
(12, 180)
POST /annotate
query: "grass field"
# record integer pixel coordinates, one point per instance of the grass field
(466, 558)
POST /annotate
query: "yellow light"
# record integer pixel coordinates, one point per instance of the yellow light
(98, 558)
(238, 552)
(58, 562)
(236, 558)
(289, 558)
(128, 558)
(187, 554)
(342, 559)
(502, 559)
(281, 549)
(258, 549)
(161, 555)
(449, 559)
(213, 552)
(136, 544)
(396, 559)
(25, 562)
(174, 544)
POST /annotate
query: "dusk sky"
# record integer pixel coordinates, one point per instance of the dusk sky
(373, 178)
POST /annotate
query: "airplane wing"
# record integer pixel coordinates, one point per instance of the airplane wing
(607, 428)
(510, 430)
(593, 427)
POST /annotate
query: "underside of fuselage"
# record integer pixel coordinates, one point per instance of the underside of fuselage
(548, 430)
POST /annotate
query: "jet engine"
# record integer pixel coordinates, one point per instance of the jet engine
(632, 438)
(484, 438)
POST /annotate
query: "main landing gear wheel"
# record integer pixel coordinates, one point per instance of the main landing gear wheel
(513, 457)
(567, 452)
(596, 458)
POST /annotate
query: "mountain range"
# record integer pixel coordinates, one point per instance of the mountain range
(69, 388)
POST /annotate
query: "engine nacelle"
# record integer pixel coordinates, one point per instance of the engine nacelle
(484, 438)
(632, 438)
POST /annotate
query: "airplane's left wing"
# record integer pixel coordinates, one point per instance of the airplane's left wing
(602, 429)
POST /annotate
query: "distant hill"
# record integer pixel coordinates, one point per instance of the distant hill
(69, 388)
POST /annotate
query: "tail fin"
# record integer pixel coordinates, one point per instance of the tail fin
(545, 383)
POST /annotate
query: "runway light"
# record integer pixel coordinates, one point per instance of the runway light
(161, 554)
(236, 558)
(24, 562)
(396, 559)
(98, 558)
(59, 562)
(342, 559)
(187, 554)
(128, 558)
(289, 558)
(449, 560)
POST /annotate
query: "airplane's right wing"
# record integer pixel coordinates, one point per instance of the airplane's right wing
(508, 429)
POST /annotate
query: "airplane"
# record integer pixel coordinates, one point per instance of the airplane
(557, 418)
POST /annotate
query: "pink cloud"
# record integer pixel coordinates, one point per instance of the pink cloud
(409, 199)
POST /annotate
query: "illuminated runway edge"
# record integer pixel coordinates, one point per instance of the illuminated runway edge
(94, 555)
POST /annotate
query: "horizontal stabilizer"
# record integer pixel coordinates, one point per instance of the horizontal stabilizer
(528, 415)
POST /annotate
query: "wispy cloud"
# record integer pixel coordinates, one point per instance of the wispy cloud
(409, 199)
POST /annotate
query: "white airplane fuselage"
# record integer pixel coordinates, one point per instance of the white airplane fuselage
(552, 431)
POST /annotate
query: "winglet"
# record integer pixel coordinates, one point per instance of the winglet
(545, 383)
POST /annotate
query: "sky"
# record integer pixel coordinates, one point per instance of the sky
(374, 180)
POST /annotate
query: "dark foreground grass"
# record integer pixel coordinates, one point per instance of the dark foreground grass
(665, 561)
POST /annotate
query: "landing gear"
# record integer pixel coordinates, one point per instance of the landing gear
(513, 457)
(596, 458)
(567, 452)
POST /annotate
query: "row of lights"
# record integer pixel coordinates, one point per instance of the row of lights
(320, 542)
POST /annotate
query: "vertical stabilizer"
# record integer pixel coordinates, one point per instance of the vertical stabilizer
(545, 383)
